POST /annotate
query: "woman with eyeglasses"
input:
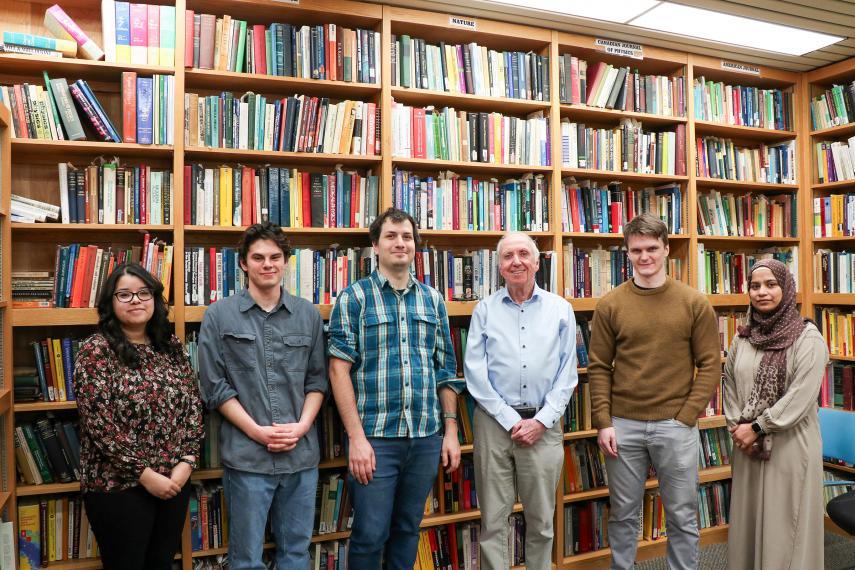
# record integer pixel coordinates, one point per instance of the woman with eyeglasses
(140, 425)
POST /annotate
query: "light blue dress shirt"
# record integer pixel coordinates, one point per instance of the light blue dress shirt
(522, 355)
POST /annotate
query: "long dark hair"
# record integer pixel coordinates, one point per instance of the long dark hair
(157, 327)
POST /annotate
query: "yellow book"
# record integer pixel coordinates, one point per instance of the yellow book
(226, 196)
(167, 270)
(225, 40)
(296, 199)
(29, 537)
(347, 128)
(51, 529)
(60, 373)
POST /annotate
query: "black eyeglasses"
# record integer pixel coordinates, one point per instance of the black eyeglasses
(127, 296)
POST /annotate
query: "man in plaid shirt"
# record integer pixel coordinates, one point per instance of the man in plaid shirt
(392, 370)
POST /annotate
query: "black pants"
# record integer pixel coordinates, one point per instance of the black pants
(134, 529)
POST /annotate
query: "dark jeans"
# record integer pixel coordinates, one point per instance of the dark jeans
(389, 509)
(134, 529)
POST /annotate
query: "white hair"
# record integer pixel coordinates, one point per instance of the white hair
(532, 245)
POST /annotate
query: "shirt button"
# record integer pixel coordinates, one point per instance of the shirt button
(523, 346)
(404, 340)
(523, 328)
(402, 319)
(524, 366)
(525, 386)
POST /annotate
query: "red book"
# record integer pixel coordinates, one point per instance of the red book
(79, 265)
(419, 149)
(247, 202)
(47, 348)
(206, 41)
(575, 96)
(594, 76)
(330, 37)
(188, 199)
(455, 204)
(188, 38)
(129, 106)
(369, 129)
(452, 545)
(144, 251)
(91, 256)
(586, 544)
(848, 387)
(615, 215)
(260, 47)
(22, 131)
(212, 275)
(306, 196)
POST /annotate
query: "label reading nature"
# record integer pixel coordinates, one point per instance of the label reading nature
(462, 23)
(740, 68)
(624, 49)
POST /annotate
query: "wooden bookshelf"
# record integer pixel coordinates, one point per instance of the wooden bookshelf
(8, 508)
(843, 468)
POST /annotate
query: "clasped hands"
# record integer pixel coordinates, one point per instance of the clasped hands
(280, 437)
(743, 437)
(527, 432)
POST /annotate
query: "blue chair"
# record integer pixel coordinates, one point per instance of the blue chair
(838, 442)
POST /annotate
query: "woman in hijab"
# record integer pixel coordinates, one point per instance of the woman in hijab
(772, 378)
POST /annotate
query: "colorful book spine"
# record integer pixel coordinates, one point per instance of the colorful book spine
(61, 25)
(67, 48)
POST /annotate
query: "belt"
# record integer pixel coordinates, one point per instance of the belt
(526, 412)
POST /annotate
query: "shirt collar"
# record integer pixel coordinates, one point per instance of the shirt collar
(506, 297)
(381, 280)
(285, 300)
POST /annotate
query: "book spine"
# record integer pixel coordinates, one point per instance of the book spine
(60, 24)
(87, 108)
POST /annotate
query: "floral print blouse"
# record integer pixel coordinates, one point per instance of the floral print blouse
(131, 419)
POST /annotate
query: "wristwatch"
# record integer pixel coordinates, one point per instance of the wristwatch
(757, 429)
(192, 464)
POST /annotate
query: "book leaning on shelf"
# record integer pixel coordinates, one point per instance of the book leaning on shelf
(625, 148)
(290, 124)
(27, 210)
(47, 451)
(244, 195)
(838, 386)
(747, 214)
(469, 68)
(835, 160)
(601, 84)
(54, 530)
(453, 202)
(328, 52)
(726, 272)
(470, 136)
(721, 158)
(838, 329)
(585, 207)
(835, 106)
(834, 271)
(743, 105)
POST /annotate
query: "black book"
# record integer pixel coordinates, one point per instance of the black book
(72, 460)
(317, 200)
(46, 433)
(483, 135)
(472, 122)
(467, 71)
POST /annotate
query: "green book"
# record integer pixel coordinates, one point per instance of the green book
(404, 54)
(241, 48)
(268, 50)
(53, 108)
(38, 452)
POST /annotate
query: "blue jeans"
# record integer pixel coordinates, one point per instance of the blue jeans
(288, 497)
(389, 509)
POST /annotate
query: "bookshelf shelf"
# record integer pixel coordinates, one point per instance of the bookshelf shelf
(585, 173)
(330, 536)
(613, 236)
(465, 101)
(742, 185)
(847, 299)
(26, 407)
(843, 358)
(838, 131)
(80, 564)
(728, 300)
(210, 552)
(198, 153)
(583, 303)
(39, 150)
(23, 228)
(747, 240)
(707, 475)
(5, 497)
(467, 233)
(195, 314)
(709, 128)
(58, 317)
(829, 186)
(16, 64)
(239, 82)
(837, 239)
(464, 516)
(584, 113)
(843, 468)
(711, 422)
(583, 434)
(358, 14)
(460, 308)
(289, 231)
(461, 166)
(47, 489)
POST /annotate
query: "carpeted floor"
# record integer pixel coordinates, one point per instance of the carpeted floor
(839, 555)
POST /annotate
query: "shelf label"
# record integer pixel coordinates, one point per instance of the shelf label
(740, 68)
(459, 22)
(623, 49)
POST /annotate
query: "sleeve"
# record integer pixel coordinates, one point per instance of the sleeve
(477, 376)
(706, 348)
(214, 384)
(601, 355)
(810, 357)
(344, 328)
(445, 364)
(95, 367)
(316, 373)
(192, 425)
(732, 409)
(555, 402)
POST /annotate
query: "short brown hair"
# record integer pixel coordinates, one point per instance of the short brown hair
(645, 225)
(395, 216)
(264, 230)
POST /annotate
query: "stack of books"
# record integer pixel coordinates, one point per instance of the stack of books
(34, 289)
(69, 39)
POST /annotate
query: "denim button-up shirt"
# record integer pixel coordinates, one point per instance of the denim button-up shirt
(269, 361)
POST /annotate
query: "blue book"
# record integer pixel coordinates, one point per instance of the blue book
(285, 197)
(273, 194)
(123, 32)
(70, 262)
(137, 194)
(277, 119)
(68, 369)
(145, 110)
(40, 368)
(99, 110)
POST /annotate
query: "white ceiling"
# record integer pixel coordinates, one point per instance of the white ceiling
(835, 17)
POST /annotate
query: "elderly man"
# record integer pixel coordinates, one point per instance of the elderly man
(521, 369)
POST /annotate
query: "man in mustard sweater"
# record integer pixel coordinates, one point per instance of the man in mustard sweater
(648, 336)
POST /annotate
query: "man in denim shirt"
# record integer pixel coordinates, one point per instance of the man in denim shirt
(392, 367)
(263, 367)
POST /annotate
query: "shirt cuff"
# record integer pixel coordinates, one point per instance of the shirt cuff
(507, 417)
(343, 353)
(456, 384)
(547, 417)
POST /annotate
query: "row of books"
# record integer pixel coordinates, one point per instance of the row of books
(601, 84)
(330, 555)
(834, 215)
(454, 202)
(743, 105)
(139, 34)
(243, 195)
(835, 106)
(209, 521)
(446, 134)
(625, 148)
(322, 51)
(585, 207)
(727, 272)
(577, 416)
(47, 451)
(838, 329)
(747, 214)
(148, 109)
(584, 466)
(31, 44)
(469, 68)
(449, 547)
(838, 386)
(291, 124)
(835, 160)
(458, 488)
(728, 327)
(834, 271)
(721, 158)
(333, 508)
(715, 449)
(54, 360)
(586, 527)
(54, 530)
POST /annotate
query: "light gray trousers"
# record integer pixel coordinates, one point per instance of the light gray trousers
(673, 449)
